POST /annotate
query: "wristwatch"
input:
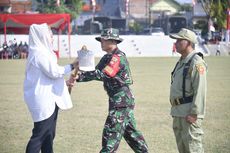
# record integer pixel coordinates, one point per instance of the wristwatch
(72, 67)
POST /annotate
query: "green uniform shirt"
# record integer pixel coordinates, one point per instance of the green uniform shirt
(196, 86)
(113, 69)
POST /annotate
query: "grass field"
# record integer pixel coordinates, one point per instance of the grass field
(79, 129)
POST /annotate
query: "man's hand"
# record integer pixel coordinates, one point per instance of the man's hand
(191, 118)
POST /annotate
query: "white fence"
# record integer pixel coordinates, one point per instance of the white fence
(133, 45)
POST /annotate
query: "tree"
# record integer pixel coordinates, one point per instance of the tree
(73, 7)
(135, 26)
(217, 11)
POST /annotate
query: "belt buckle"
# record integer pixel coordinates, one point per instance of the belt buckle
(177, 101)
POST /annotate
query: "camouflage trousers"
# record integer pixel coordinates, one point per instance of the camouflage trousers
(121, 123)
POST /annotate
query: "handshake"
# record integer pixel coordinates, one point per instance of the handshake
(84, 62)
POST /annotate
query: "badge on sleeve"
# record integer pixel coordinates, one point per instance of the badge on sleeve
(113, 67)
(200, 68)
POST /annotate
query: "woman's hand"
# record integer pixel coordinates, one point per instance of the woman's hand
(72, 80)
(75, 64)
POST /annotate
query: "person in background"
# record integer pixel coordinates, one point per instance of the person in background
(24, 51)
(218, 48)
(188, 94)
(45, 89)
(113, 69)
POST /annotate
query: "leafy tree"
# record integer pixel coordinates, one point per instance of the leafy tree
(73, 7)
(217, 10)
(135, 26)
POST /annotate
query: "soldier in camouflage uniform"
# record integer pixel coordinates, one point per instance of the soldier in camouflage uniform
(113, 70)
(188, 94)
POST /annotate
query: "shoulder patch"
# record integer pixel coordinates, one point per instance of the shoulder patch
(200, 68)
(114, 60)
(113, 67)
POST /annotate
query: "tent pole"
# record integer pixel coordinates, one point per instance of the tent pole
(5, 33)
(58, 40)
(69, 39)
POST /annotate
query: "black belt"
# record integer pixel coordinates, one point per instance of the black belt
(121, 107)
(179, 101)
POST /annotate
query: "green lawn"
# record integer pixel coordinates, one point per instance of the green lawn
(79, 130)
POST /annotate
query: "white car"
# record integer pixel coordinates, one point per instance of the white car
(157, 31)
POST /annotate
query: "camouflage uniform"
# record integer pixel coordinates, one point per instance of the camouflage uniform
(113, 70)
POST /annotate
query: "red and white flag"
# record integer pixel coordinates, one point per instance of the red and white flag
(127, 7)
(94, 2)
(193, 2)
(58, 2)
(228, 19)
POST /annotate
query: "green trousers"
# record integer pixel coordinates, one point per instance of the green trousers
(121, 123)
(188, 136)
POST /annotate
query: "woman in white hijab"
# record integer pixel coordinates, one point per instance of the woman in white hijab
(45, 90)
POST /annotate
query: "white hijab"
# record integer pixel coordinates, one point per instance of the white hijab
(40, 42)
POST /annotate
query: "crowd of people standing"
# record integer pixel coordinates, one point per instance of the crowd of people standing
(12, 50)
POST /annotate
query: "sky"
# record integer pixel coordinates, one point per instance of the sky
(184, 1)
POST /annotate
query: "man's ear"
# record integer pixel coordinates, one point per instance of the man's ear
(190, 44)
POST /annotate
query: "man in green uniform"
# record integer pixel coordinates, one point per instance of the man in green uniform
(113, 69)
(188, 94)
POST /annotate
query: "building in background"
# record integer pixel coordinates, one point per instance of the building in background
(15, 6)
(120, 14)
(5, 6)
